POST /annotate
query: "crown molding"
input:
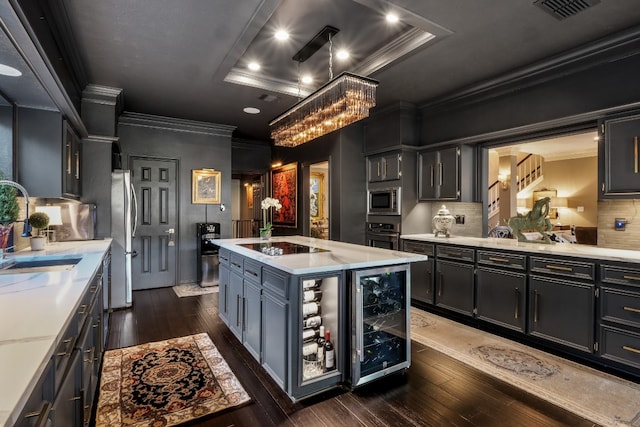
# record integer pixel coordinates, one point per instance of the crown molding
(128, 118)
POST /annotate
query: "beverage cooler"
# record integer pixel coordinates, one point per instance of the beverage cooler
(320, 331)
(380, 322)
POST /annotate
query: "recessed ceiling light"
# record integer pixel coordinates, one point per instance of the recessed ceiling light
(342, 54)
(251, 110)
(392, 18)
(5, 70)
(307, 79)
(254, 66)
(282, 35)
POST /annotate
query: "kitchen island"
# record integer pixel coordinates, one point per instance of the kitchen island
(578, 300)
(277, 295)
(47, 319)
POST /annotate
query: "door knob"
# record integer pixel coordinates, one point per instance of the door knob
(171, 232)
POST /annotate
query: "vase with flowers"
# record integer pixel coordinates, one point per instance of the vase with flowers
(268, 203)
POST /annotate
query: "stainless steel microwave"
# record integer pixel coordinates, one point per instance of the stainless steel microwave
(384, 201)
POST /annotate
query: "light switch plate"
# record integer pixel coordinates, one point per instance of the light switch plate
(620, 224)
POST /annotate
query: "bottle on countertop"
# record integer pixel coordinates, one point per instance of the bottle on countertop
(329, 353)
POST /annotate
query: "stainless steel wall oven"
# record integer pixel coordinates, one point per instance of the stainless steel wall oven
(383, 235)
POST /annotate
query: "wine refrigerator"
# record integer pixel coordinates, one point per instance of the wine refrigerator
(380, 321)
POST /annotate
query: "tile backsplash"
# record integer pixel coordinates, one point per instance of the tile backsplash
(472, 212)
(608, 211)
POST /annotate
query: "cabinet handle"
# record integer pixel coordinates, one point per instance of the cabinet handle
(225, 298)
(431, 168)
(83, 309)
(631, 277)
(516, 313)
(237, 310)
(535, 306)
(384, 168)
(631, 349)
(635, 310)
(253, 273)
(635, 154)
(77, 165)
(440, 285)
(440, 169)
(378, 169)
(68, 158)
(236, 265)
(558, 267)
(498, 259)
(244, 314)
(43, 415)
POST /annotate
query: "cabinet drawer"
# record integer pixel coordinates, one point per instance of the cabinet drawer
(454, 252)
(620, 306)
(501, 259)
(223, 256)
(564, 267)
(619, 275)
(63, 351)
(620, 345)
(276, 282)
(418, 247)
(252, 270)
(236, 262)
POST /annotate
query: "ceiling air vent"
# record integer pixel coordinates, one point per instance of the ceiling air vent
(563, 9)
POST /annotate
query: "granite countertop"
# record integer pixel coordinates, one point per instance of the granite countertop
(568, 249)
(35, 308)
(339, 255)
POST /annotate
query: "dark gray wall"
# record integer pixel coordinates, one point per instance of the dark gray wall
(6, 140)
(578, 96)
(96, 179)
(250, 158)
(347, 182)
(194, 145)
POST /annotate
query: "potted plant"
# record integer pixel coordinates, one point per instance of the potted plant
(9, 211)
(267, 203)
(38, 220)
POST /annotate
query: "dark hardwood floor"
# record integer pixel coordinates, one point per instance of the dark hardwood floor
(435, 391)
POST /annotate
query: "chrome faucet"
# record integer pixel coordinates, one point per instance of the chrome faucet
(26, 230)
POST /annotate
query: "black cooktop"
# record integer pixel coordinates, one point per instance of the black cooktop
(282, 248)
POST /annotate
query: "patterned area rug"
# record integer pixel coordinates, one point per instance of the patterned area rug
(594, 395)
(165, 383)
(192, 290)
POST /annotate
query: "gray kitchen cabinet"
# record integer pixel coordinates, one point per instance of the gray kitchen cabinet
(66, 410)
(252, 307)
(501, 289)
(236, 293)
(422, 271)
(385, 167)
(447, 174)
(455, 278)
(562, 302)
(619, 320)
(39, 403)
(275, 321)
(49, 155)
(621, 162)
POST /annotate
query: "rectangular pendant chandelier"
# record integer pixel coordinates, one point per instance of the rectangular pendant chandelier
(338, 103)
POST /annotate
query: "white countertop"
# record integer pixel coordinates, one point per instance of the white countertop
(569, 249)
(340, 256)
(34, 309)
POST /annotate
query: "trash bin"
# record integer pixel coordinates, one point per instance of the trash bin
(208, 262)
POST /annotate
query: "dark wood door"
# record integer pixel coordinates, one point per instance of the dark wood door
(155, 241)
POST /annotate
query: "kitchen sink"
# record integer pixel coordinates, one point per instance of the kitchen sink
(39, 265)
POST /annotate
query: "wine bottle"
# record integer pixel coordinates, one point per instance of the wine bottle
(320, 343)
(310, 334)
(311, 296)
(311, 284)
(312, 322)
(311, 309)
(329, 352)
(310, 351)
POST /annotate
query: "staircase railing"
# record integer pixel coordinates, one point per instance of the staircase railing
(493, 206)
(529, 169)
(245, 228)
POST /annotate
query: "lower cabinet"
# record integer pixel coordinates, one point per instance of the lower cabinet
(67, 406)
(501, 297)
(454, 286)
(275, 337)
(562, 311)
(235, 295)
(421, 272)
(223, 292)
(252, 318)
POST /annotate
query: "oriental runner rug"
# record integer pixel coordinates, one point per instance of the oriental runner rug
(600, 397)
(166, 383)
(192, 290)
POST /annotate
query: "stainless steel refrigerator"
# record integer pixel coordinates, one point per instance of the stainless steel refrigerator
(124, 213)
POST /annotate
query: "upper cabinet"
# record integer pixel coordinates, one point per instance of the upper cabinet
(446, 174)
(48, 154)
(620, 169)
(385, 167)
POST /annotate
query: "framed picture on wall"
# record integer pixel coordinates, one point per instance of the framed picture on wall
(205, 186)
(284, 187)
(316, 195)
